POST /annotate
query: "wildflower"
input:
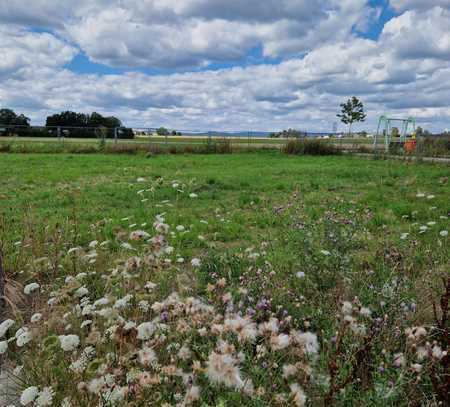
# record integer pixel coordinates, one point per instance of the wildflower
(66, 402)
(347, 308)
(298, 395)
(325, 252)
(29, 395)
(417, 367)
(223, 369)
(430, 197)
(404, 236)
(193, 196)
(29, 288)
(69, 342)
(146, 356)
(289, 370)
(436, 353)
(100, 302)
(192, 395)
(139, 235)
(123, 302)
(399, 360)
(86, 323)
(365, 312)
(3, 347)
(278, 342)
(146, 330)
(184, 353)
(180, 228)
(81, 292)
(243, 327)
(4, 326)
(23, 336)
(36, 317)
(45, 397)
(301, 274)
(195, 262)
(95, 385)
(309, 341)
(443, 233)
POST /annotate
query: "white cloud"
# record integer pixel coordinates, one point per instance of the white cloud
(405, 71)
(21, 50)
(402, 5)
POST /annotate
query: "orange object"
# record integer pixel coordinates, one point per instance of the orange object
(410, 146)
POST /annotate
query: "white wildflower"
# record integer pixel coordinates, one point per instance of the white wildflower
(443, 233)
(193, 196)
(36, 317)
(147, 356)
(278, 342)
(69, 342)
(365, 312)
(298, 395)
(4, 326)
(195, 262)
(81, 292)
(325, 252)
(45, 397)
(3, 347)
(192, 395)
(308, 340)
(223, 369)
(289, 370)
(347, 308)
(139, 235)
(29, 288)
(23, 336)
(29, 395)
(146, 330)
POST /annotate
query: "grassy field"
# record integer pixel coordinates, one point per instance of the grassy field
(298, 280)
(236, 142)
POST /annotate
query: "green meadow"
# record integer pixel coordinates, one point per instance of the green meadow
(333, 262)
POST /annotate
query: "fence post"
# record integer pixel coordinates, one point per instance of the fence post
(115, 135)
(58, 133)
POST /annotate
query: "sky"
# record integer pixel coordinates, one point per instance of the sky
(227, 64)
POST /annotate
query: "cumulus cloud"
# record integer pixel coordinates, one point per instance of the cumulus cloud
(404, 71)
(21, 50)
(402, 5)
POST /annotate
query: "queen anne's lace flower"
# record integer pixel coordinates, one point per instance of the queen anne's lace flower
(69, 342)
(29, 395)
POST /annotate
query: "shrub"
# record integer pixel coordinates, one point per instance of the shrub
(309, 147)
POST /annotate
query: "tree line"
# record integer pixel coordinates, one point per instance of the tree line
(69, 124)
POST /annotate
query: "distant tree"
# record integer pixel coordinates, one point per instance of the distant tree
(9, 118)
(352, 111)
(87, 125)
(162, 131)
(174, 133)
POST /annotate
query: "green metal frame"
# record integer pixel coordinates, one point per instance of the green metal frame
(385, 125)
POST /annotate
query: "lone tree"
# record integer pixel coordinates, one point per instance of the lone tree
(352, 111)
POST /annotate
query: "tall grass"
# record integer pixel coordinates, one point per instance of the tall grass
(310, 147)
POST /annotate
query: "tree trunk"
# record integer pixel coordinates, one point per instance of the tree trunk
(350, 130)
